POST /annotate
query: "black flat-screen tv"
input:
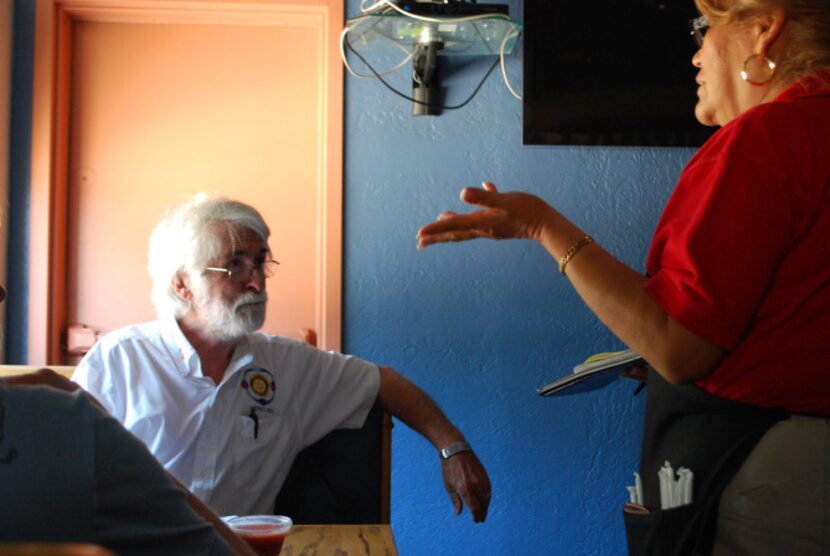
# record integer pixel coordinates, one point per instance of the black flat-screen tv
(609, 72)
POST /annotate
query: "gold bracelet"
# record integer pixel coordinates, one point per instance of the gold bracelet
(573, 250)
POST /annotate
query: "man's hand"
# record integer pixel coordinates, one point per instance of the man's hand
(465, 479)
(467, 484)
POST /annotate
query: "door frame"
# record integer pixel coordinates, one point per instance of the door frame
(54, 20)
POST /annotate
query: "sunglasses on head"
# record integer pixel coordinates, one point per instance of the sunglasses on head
(698, 27)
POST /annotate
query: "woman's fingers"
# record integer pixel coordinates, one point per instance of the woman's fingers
(504, 215)
(447, 214)
(487, 197)
(450, 222)
(425, 239)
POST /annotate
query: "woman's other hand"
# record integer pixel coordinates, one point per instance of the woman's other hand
(637, 372)
(512, 215)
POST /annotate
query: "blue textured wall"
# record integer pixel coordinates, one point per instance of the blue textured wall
(481, 325)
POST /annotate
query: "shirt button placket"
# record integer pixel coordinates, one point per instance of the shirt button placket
(207, 447)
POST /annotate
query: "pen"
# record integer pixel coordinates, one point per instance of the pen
(639, 388)
(255, 418)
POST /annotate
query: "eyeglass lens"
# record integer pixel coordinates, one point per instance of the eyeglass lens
(698, 27)
(240, 271)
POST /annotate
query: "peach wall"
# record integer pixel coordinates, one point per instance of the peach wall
(55, 20)
(162, 112)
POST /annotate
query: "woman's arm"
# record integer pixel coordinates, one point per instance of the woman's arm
(612, 290)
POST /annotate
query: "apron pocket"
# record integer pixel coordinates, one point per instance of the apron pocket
(676, 532)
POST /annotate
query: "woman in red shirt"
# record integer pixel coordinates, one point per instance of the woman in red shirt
(733, 310)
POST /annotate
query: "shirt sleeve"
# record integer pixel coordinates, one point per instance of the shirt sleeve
(724, 231)
(334, 391)
(138, 509)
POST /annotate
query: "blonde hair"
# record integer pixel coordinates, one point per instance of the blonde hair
(805, 36)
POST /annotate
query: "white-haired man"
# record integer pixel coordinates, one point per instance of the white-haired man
(225, 409)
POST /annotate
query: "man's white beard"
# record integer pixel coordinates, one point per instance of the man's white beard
(231, 322)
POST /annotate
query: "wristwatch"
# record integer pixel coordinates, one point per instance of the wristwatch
(449, 451)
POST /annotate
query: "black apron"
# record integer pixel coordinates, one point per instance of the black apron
(708, 435)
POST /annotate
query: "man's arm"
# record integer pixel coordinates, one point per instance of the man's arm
(465, 478)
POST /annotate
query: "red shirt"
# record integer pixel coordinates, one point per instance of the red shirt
(741, 255)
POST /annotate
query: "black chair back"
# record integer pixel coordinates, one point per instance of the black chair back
(343, 478)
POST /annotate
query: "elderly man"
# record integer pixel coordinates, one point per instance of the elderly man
(225, 409)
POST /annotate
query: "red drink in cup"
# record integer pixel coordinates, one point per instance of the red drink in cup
(265, 533)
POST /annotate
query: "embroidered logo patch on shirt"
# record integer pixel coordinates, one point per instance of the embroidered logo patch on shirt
(259, 384)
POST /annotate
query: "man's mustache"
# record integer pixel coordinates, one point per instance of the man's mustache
(249, 298)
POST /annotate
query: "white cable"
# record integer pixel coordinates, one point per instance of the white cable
(401, 64)
(392, 5)
(371, 8)
(512, 33)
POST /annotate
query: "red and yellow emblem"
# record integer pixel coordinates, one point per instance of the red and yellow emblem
(259, 384)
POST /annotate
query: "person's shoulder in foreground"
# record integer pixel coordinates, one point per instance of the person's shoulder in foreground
(70, 473)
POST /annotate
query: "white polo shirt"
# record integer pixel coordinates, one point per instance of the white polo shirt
(232, 445)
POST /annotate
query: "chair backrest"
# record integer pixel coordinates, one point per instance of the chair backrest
(343, 478)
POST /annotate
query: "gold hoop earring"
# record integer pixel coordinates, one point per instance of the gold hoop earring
(760, 58)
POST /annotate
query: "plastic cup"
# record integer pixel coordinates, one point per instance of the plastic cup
(265, 533)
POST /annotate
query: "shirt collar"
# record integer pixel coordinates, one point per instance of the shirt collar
(815, 84)
(184, 355)
(241, 358)
(186, 358)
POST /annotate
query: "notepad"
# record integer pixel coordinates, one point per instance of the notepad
(596, 372)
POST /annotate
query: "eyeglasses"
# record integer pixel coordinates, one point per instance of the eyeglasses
(241, 270)
(698, 27)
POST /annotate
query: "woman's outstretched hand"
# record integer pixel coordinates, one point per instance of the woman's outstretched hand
(503, 216)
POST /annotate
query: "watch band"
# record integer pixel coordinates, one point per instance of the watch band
(449, 451)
